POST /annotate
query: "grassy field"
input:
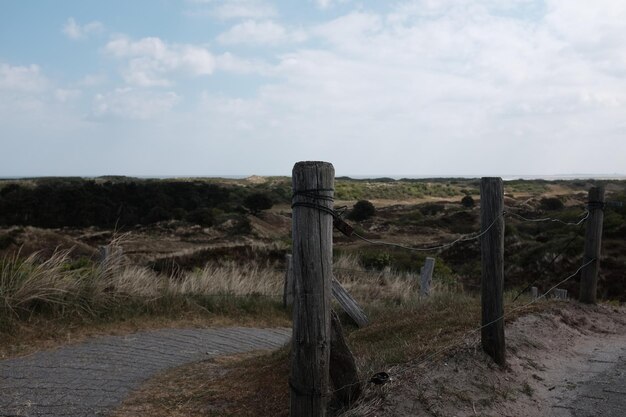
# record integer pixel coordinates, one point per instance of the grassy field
(54, 290)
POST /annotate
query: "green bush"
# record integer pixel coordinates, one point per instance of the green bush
(551, 204)
(242, 226)
(201, 216)
(467, 201)
(375, 260)
(157, 214)
(258, 202)
(362, 210)
(432, 209)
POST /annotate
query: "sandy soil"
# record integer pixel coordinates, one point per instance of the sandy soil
(549, 356)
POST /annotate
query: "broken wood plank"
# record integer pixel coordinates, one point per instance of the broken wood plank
(348, 304)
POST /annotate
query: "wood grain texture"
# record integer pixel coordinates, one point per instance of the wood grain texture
(593, 244)
(426, 276)
(312, 273)
(288, 288)
(349, 304)
(492, 258)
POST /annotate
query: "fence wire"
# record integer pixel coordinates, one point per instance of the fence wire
(464, 238)
(584, 217)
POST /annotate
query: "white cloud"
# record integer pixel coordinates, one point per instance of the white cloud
(91, 80)
(22, 78)
(129, 103)
(74, 31)
(67, 95)
(260, 33)
(149, 61)
(450, 79)
(231, 63)
(481, 87)
(231, 9)
(326, 4)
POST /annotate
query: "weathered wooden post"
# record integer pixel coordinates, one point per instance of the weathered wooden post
(593, 243)
(534, 293)
(288, 289)
(312, 221)
(349, 304)
(104, 252)
(492, 258)
(426, 276)
(110, 258)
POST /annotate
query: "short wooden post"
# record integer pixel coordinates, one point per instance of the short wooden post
(104, 253)
(288, 289)
(426, 276)
(492, 258)
(593, 243)
(312, 227)
(534, 293)
(111, 257)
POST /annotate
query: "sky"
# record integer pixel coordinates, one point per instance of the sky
(249, 87)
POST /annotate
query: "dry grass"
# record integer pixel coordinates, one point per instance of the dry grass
(383, 288)
(232, 279)
(61, 295)
(48, 296)
(399, 337)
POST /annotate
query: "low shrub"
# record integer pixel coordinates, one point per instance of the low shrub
(551, 204)
(257, 202)
(362, 210)
(468, 201)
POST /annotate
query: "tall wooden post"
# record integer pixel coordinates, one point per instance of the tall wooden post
(492, 257)
(593, 243)
(312, 225)
(288, 289)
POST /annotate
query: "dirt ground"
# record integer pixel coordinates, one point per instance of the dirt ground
(548, 357)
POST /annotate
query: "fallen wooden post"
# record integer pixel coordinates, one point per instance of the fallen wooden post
(348, 304)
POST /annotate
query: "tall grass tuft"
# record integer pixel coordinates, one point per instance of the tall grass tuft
(380, 288)
(59, 288)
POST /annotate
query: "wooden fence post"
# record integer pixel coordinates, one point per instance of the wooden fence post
(288, 289)
(104, 257)
(312, 227)
(492, 258)
(534, 293)
(593, 243)
(426, 276)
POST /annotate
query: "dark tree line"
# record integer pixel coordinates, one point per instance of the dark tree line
(87, 203)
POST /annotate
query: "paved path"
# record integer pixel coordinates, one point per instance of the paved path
(604, 393)
(92, 378)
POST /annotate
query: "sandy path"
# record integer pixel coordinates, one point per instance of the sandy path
(92, 378)
(596, 384)
(569, 362)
